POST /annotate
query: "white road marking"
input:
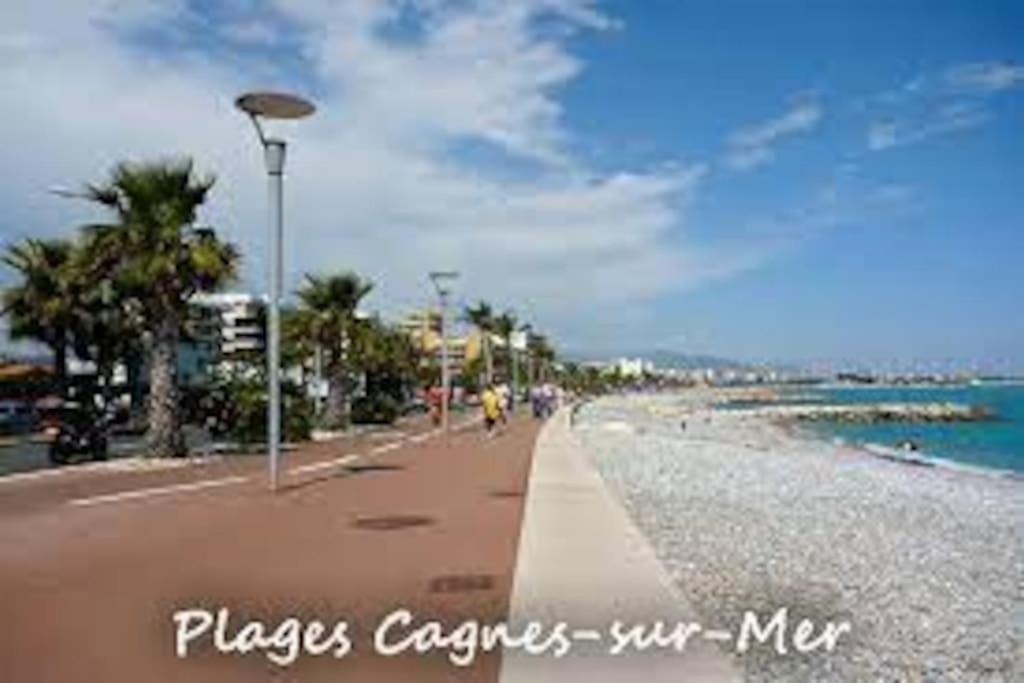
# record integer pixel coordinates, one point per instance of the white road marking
(212, 483)
(387, 447)
(116, 465)
(159, 491)
(39, 474)
(385, 434)
(336, 462)
(467, 424)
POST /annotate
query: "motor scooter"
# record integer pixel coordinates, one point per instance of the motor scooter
(75, 435)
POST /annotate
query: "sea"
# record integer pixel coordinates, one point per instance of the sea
(995, 446)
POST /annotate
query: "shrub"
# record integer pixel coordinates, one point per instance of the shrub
(236, 407)
(375, 409)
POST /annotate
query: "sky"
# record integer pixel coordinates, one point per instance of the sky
(773, 180)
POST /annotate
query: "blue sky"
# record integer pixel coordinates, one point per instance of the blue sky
(788, 181)
(936, 276)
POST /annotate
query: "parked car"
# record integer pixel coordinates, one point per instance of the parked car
(16, 416)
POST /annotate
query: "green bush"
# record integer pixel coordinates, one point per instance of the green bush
(298, 418)
(375, 409)
(236, 407)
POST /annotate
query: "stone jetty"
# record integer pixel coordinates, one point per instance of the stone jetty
(871, 413)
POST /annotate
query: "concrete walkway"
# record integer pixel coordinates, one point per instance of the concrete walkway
(582, 561)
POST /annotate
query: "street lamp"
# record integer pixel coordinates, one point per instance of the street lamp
(521, 334)
(527, 330)
(271, 105)
(439, 279)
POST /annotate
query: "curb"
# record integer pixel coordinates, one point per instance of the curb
(582, 561)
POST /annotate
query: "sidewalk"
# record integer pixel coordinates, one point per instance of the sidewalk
(582, 561)
(361, 528)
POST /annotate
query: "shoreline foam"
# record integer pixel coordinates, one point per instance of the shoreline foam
(890, 454)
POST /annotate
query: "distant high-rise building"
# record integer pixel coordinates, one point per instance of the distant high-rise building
(226, 327)
(634, 367)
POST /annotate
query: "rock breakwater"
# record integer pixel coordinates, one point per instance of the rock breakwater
(872, 413)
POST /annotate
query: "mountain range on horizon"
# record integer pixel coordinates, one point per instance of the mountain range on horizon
(667, 359)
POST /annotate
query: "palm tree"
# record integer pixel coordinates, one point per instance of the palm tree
(542, 353)
(387, 357)
(505, 326)
(47, 305)
(298, 348)
(41, 306)
(329, 305)
(481, 316)
(109, 326)
(385, 349)
(161, 259)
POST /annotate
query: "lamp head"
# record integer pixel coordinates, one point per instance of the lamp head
(274, 105)
(439, 277)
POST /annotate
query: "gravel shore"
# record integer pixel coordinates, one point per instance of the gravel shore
(927, 564)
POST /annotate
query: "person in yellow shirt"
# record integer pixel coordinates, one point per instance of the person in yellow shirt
(491, 403)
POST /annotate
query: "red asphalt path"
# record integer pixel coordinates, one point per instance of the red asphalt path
(94, 563)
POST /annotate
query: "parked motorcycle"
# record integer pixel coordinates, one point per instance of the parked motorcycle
(75, 434)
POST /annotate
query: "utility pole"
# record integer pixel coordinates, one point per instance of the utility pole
(439, 278)
(515, 371)
(526, 330)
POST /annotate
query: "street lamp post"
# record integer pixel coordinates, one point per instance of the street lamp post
(439, 278)
(526, 330)
(514, 352)
(270, 105)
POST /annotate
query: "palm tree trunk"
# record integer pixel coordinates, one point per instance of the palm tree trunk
(334, 411)
(488, 360)
(60, 366)
(105, 375)
(133, 368)
(509, 363)
(318, 379)
(346, 399)
(164, 438)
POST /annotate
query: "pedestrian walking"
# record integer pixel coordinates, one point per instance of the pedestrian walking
(505, 399)
(491, 404)
(536, 401)
(435, 397)
(549, 400)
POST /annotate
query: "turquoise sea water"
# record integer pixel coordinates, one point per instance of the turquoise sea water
(995, 445)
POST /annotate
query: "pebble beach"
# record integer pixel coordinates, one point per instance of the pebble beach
(926, 563)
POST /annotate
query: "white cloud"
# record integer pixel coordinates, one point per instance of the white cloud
(937, 104)
(373, 181)
(985, 77)
(949, 118)
(800, 118)
(753, 146)
(883, 135)
(748, 158)
(975, 79)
